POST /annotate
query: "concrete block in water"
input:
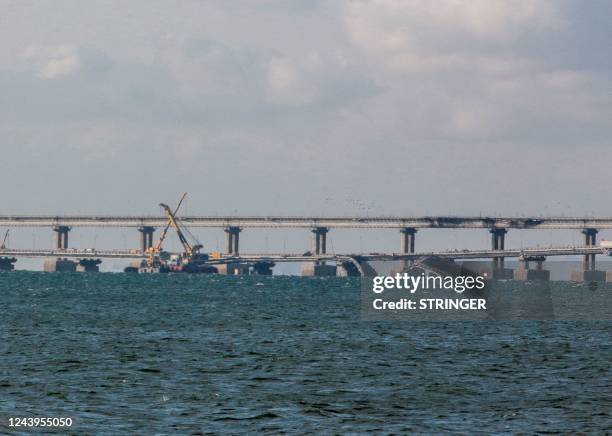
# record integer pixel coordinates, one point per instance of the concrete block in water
(310, 269)
(233, 269)
(532, 274)
(588, 276)
(59, 265)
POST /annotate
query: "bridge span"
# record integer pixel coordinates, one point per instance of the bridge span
(315, 264)
(381, 222)
(295, 257)
(320, 227)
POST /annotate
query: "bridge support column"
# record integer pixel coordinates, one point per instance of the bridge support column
(590, 239)
(232, 240)
(232, 248)
(146, 237)
(61, 237)
(498, 243)
(319, 247)
(588, 272)
(524, 273)
(408, 235)
(319, 240)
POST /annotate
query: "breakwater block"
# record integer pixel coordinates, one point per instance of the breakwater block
(531, 275)
(59, 265)
(588, 276)
(233, 269)
(314, 270)
(498, 273)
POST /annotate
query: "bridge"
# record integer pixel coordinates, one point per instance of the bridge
(434, 222)
(320, 227)
(89, 259)
(295, 257)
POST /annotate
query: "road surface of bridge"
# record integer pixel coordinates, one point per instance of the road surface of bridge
(280, 257)
(308, 222)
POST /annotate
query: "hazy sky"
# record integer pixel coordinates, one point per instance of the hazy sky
(307, 107)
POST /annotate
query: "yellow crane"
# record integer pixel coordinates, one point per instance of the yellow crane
(191, 251)
(153, 252)
(3, 246)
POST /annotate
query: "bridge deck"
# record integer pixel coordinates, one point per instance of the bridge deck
(282, 257)
(309, 222)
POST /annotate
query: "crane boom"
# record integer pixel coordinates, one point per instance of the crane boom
(188, 248)
(165, 231)
(3, 246)
(153, 252)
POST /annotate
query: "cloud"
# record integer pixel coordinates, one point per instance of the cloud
(481, 70)
(52, 62)
(369, 98)
(448, 34)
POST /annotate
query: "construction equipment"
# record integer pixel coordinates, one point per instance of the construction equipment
(191, 251)
(154, 263)
(3, 246)
(191, 260)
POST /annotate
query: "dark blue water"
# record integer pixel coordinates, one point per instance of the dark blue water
(180, 354)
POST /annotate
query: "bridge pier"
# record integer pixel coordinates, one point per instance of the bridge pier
(408, 236)
(524, 273)
(88, 265)
(590, 239)
(588, 272)
(319, 247)
(319, 240)
(59, 265)
(232, 240)
(61, 240)
(232, 248)
(498, 243)
(146, 237)
(7, 263)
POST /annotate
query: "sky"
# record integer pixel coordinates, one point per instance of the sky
(307, 107)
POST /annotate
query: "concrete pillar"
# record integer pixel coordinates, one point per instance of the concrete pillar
(408, 236)
(319, 240)
(590, 239)
(232, 241)
(539, 264)
(498, 243)
(61, 237)
(527, 274)
(319, 247)
(236, 241)
(229, 239)
(146, 237)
